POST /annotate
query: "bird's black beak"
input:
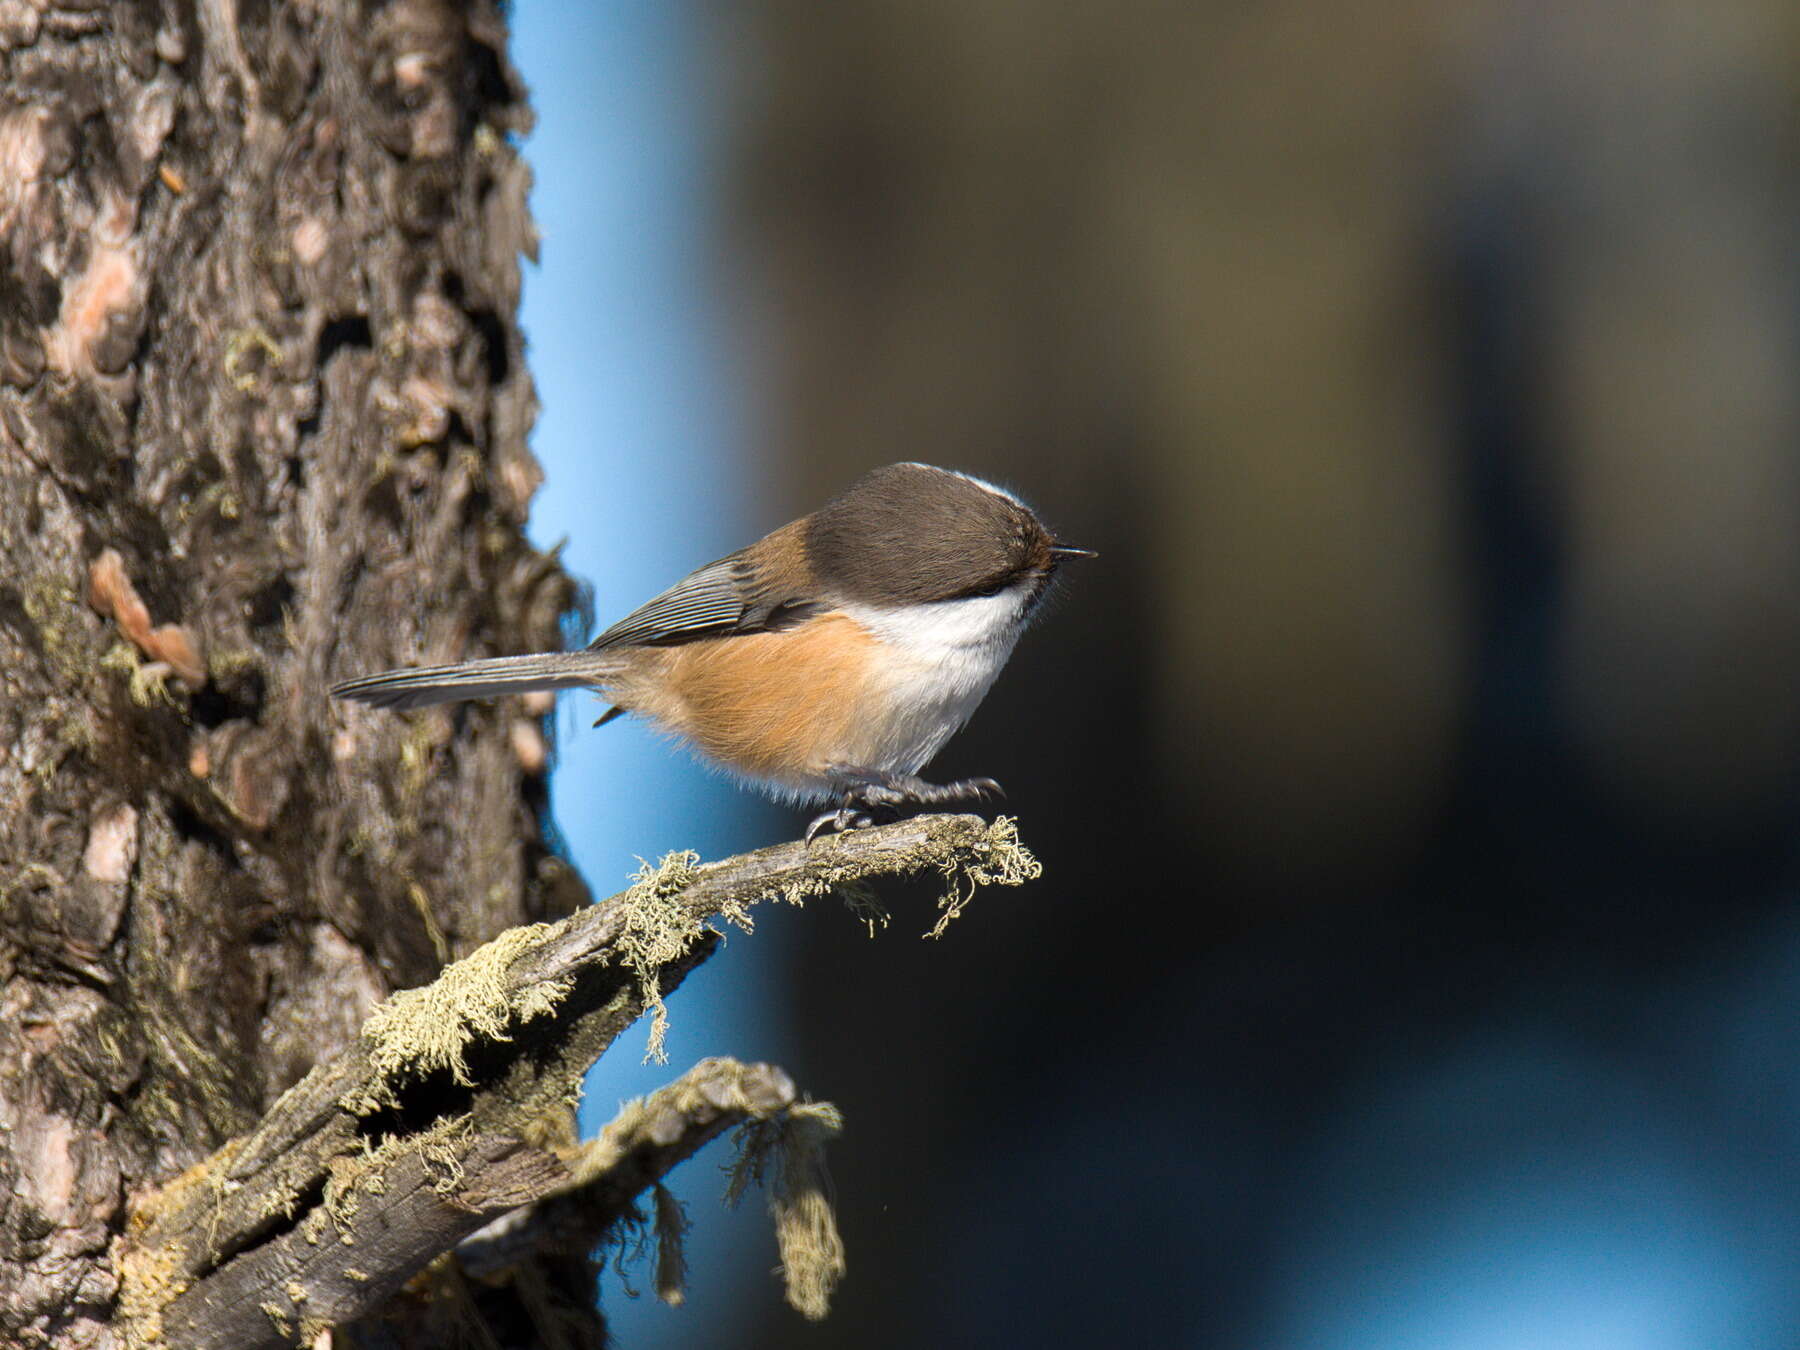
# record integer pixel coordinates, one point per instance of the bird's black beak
(1064, 551)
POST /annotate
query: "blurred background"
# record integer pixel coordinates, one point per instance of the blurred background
(1414, 773)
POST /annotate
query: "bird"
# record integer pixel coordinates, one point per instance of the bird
(829, 661)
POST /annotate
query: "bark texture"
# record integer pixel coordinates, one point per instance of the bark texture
(262, 425)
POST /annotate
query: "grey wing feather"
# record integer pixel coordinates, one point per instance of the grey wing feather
(711, 602)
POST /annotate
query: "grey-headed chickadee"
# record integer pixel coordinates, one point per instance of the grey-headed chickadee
(829, 660)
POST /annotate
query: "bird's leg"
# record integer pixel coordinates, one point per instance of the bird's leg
(867, 791)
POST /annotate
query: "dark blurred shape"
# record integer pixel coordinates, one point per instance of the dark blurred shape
(1423, 743)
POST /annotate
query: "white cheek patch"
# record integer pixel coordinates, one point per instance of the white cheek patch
(944, 628)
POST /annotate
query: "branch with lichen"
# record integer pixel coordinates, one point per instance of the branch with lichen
(780, 1133)
(431, 1125)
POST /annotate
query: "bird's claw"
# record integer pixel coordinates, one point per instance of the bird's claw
(972, 789)
(841, 821)
(890, 795)
(917, 792)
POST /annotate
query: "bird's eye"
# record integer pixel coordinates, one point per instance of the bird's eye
(991, 589)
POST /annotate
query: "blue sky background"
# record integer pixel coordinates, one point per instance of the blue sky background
(645, 480)
(1517, 1192)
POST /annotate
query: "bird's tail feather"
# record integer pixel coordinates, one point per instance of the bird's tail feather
(491, 678)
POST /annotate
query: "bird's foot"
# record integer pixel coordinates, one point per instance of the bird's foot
(888, 795)
(962, 790)
(899, 793)
(841, 821)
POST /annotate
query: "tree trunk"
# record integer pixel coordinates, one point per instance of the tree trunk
(262, 426)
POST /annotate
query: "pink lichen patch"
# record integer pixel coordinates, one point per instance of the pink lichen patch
(115, 219)
(412, 69)
(521, 478)
(111, 845)
(110, 591)
(172, 643)
(22, 145)
(310, 240)
(248, 791)
(108, 285)
(528, 746)
(22, 153)
(45, 1153)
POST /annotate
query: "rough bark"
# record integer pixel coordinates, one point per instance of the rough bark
(262, 425)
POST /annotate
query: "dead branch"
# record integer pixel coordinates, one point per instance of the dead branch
(637, 1148)
(414, 1136)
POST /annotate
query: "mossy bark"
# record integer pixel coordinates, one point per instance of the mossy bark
(258, 284)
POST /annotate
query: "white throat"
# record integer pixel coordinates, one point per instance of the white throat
(942, 658)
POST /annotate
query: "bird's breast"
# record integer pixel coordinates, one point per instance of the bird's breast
(846, 689)
(938, 662)
(770, 706)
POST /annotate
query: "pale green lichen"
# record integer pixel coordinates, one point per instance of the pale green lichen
(65, 729)
(314, 1224)
(659, 929)
(147, 682)
(223, 666)
(686, 1096)
(348, 1174)
(602, 1153)
(996, 859)
(53, 608)
(440, 1148)
(1001, 860)
(239, 343)
(655, 930)
(670, 1278)
(418, 1031)
(284, 1322)
(444, 1163)
(785, 1153)
(418, 748)
(149, 1280)
(782, 1144)
(422, 903)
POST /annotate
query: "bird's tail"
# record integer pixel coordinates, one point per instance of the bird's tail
(480, 679)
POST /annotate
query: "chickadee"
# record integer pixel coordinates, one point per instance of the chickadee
(827, 661)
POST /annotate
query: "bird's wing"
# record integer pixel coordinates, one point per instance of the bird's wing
(724, 597)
